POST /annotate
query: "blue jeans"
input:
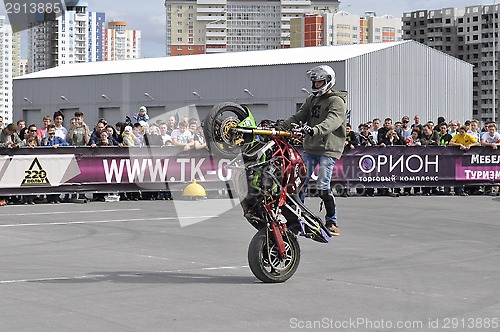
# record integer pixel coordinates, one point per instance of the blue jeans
(326, 165)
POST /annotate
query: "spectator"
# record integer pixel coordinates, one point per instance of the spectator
(31, 134)
(154, 138)
(467, 125)
(444, 140)
(23, 133)
(103, 139)
(119, 126)
(398, 125)
(1, 122)
(406, 129)
(429, 135)
(382, 131)
(452, 128)
(79, 134)
(491, 137)
(474, 130)
(58, 122)
(199, 139)
(374, 129)
(96, 134)
(51, 139)
(9, 137)
(54, 141)
(128, 137)
(21, 128)
(47, 120)
(183, 137)
(171, 125)
(414, 139)
(365, 136)
(32, 142)
(416, 123)
(142, 115)
(444, 136)
(351, 140)
(465, 141)
(139, 132)
(167, 139)
(113, 133)
(390, 137)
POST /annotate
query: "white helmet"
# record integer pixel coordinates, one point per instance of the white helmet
(321, 73)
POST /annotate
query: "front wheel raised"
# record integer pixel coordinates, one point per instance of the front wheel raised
(264, 260)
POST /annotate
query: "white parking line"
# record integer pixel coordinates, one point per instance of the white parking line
(138, 274)
(101, 221)
(65, 212)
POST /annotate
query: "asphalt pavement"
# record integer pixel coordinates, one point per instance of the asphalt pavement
(400, 264)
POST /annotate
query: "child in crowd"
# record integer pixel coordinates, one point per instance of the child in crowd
(142, 115)
(128, 137)
(103, 139)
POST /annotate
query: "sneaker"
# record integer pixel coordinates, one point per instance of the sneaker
(333, 228)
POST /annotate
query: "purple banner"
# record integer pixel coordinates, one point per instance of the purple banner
(122, 169)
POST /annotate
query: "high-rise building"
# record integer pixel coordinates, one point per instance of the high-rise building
(75, 36)
(120, 43)
(470, 34)
(214, 26)
(342, 28)
(7, 45)
(23, 67)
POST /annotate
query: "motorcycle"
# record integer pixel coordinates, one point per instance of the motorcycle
(269, 174)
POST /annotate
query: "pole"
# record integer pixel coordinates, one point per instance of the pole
(493, 113)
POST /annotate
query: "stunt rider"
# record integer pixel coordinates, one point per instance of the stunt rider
(325, 113)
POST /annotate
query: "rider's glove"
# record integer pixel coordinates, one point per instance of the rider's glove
(280, 125)
(308, 130)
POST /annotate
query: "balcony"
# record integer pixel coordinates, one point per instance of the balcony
(215, 50)
(216, 34)
(215, 42)
(211, 18)
(205, 10)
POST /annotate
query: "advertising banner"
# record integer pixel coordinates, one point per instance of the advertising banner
(123, 169)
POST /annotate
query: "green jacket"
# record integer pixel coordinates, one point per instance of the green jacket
(327, 115)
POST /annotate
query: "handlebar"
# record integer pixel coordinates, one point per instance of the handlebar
(263, 132)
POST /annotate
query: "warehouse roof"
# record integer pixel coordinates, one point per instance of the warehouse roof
(220, 60)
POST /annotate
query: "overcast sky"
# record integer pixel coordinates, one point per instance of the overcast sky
(149, 15)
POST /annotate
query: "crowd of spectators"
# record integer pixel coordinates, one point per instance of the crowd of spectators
(137, 132)
(187, 133)
(405, 133)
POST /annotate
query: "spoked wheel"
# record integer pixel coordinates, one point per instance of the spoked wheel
(217, 129)
(264, 260)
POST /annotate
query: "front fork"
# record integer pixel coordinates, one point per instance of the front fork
(277, 233)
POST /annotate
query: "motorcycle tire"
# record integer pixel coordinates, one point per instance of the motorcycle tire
(219, 120)
(265, 262)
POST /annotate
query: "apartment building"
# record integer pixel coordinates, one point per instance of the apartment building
(470, 34)
(73, 37)
(8, 45)
(342, 28)
(121, 43)
(217, 26)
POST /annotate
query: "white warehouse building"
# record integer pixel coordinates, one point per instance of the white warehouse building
(383, 80)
